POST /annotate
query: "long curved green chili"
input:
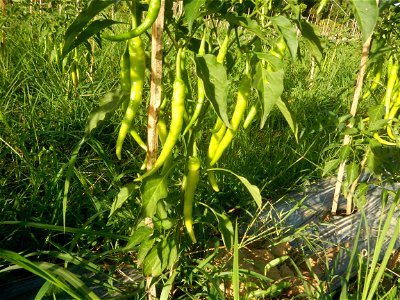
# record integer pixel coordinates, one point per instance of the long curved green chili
(137, 60)
(200, 90)
(152, 13)
(192, 179)
(240, 107)
(178, 110)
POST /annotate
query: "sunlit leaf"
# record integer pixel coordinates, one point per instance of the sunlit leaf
(312, 38)
(289, 116)
(270, 85)
(192, 10)
(215, 82)
(245, 22)
(289, 33)
(80, 22)
(123, 195)
(366, 13)
(225, 227)
(330, 166)
(154, 190)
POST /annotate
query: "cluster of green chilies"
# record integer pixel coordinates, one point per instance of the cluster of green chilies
(132, 76)
(391, 100)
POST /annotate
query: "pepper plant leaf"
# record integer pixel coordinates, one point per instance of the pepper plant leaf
(192, 10)
(154, 189)
(366, 13)
(80, 22)
(288, 32)
(215, 82)
(269, 83)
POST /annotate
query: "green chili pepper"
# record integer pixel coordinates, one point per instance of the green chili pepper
(125, 77)
(192, 179)
(240, 108)
(138, 139)
(393, 69)
(200, 90)
(137, 60)
(152, 13)
(250, 116)
(178, 110)
(224, 48)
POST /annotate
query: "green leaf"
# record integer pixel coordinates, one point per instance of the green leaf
(154, 190)
(144, 249)
(270, 85)
(168, 286)
(376, 120)
(312, 37)
(289, 116)
(108, 104)
(123, 195)
(344, 152)
(93, 9)
(253, 190)
(226, 229)
(360, 196)
(330, 166)
(93, 28)
(366, 13)
(215, 82)
(160, 257)
(141, 234)
(192, 10)
(289, 33)
(245, 22)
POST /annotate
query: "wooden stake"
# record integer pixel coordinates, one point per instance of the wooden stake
(3, 32)
(353, 110)
(154, 107)
(155, 87)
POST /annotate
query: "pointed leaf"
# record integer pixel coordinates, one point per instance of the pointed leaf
(159, 258)
(245, 22)
(123, 195)
(192, 10)
(78, 286)
(226, 229)
(312, 37)
(289, 116)
(141, 234)
(93, 9)
(366, 13)
(215, 82)
(330, 166)
(270, 85)
(94, 28)
(154, 190)
(253, 189)
(289, 33)
(235, 271)
(107, 105)
(144, 249)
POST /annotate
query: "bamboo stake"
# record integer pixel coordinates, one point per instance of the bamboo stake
(353, 110)
(3, 32)
(155, 87)
(154, 108)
